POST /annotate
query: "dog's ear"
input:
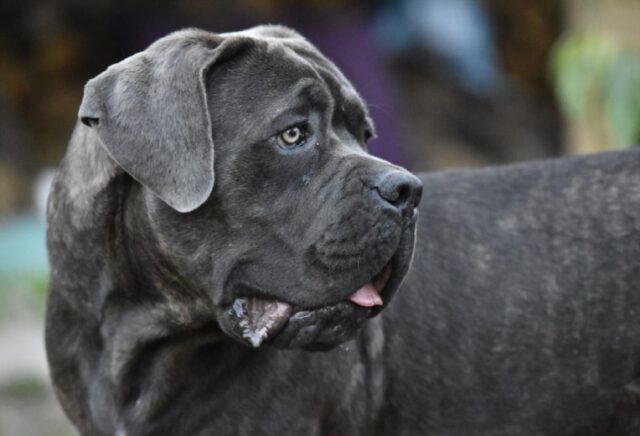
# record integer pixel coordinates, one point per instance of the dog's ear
(152, 116)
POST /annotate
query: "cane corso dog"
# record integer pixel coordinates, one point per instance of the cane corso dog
(225, 260)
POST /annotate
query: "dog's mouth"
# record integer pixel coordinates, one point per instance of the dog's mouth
(259, 319)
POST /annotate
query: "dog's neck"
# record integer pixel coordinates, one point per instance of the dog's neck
(148, 331)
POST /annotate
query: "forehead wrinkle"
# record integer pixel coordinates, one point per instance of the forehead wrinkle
(317, 81)
(318, 58)
(344, 94)
(304, 90)
(348, 101)
(299, 48)
(343, 98)
(326, 70)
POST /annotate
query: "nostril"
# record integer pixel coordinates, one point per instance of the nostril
(401, 195)
(401, 190)
(390, 196)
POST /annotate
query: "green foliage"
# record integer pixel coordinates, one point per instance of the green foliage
(579, 64)
(622, 99)
(28, 290)
(22, 387)
(589, 69)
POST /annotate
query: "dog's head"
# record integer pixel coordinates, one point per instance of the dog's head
(294, 233)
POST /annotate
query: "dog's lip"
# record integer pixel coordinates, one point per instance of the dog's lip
(380, 282)
(261, 317)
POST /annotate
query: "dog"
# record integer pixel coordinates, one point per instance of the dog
(227, 258)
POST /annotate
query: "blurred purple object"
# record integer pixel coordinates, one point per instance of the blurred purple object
(351, 46)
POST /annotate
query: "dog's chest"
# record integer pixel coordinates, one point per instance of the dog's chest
(238, 391)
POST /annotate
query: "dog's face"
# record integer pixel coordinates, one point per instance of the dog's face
(304, 235)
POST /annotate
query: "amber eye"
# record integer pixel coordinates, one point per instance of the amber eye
(293, 136)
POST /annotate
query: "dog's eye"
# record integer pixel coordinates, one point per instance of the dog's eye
(294, 136)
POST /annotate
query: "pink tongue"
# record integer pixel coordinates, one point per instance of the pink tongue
(366, 296)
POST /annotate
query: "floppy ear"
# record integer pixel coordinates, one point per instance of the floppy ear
(152, 116)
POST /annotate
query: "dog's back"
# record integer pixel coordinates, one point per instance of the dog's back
(521, 312)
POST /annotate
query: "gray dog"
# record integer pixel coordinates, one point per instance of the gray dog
(187, 291)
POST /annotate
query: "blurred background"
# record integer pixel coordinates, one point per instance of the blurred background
(449, 83)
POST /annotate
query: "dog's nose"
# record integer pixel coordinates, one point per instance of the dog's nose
(400, 189)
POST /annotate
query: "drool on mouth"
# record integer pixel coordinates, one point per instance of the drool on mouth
(261, 317)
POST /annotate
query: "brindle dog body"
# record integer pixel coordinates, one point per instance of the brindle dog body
(217, 217)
